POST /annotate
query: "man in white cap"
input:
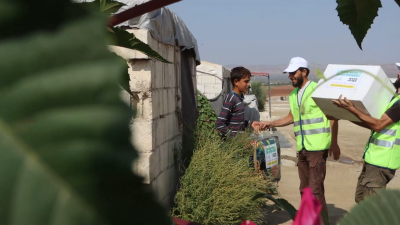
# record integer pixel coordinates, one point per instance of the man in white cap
(312, 131)
(382, 151)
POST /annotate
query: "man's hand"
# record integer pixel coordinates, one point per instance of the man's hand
(335, 151)
(344, 103)
(331, 117)
(266, 125)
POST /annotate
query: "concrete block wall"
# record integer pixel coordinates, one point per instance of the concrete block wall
(156, 129)
(209, 78)
(209, 85)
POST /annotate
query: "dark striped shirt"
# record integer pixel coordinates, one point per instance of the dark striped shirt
(231, 117)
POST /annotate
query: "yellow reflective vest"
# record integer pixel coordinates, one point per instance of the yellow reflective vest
(383, 148)
(311, 127)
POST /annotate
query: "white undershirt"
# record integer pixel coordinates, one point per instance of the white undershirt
(301, 92)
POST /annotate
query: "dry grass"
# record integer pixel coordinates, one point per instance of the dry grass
(218, 186)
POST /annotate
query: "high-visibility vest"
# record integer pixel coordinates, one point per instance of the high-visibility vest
(311, 127)
(383, 148)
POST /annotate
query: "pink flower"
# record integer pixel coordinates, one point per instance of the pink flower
(248, 222)
(309, 210)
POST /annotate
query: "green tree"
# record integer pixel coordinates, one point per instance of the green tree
(258, 90)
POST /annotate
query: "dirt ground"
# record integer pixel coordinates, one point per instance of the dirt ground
(283, 90)
(341, 176)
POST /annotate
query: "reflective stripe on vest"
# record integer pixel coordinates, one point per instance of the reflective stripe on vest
(389, 132)
(382, 143)
(309, 121)
(314, 131)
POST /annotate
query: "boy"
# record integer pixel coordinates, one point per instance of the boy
(231, 118)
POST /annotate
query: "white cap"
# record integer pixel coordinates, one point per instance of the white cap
(398, 65)
(295, 64)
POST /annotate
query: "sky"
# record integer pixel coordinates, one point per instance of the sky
(271, 32)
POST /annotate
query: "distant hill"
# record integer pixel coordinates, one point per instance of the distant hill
(276, 74)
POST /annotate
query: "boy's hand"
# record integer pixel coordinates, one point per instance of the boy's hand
(256, 125)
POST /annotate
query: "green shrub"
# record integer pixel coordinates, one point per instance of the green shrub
(205, 123)
(258, 90)
(207, 116)
(219, 185)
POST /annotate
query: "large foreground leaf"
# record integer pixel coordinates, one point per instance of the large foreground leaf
(382, 209)
(359, 15)
(65, 152)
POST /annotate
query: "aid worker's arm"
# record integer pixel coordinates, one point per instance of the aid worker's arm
(287, 120)
(369, 122)
(334, 149)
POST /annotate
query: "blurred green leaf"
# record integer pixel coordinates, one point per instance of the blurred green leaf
(358, 15)
(382, 209)
(320, 74)
(65, 150)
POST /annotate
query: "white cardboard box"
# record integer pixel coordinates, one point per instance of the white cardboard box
(366, 93)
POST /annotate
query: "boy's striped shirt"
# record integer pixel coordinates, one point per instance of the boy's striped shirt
(231, 117)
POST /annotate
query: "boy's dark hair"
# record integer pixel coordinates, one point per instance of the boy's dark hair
(239, 73)
(303, 68)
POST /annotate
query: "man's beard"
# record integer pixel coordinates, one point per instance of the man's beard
(397, 83)
(299, 82)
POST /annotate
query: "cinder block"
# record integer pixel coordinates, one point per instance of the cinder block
(155, 103)
(173, 77)
(163, 157)
(162, 182)
(142, 135)
(158, 129)
(163, 50)
(165, 101)
(171, 152)
(171, 52)
(142, 166)
(163, 122)
(171, 100)
(175, 124)
(169, 127)
(161, 105)
(158, 74)
(208, 79)
(212, 89)
(144, 106)
(154, 166)
(199, 79)
(140, 75)
(167, 75)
